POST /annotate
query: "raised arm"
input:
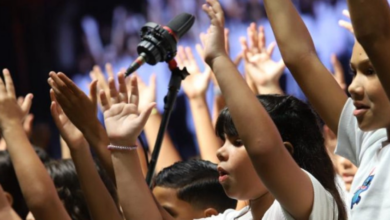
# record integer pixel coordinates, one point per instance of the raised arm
(100, 203)
(299, 55)
(78, 107)
(168, 154)
(41, 196)
(261, 138)
(195, 87)
(371, 23)
(124, 124)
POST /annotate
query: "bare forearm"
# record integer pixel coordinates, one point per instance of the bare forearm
(299, 54)
(100, 203)
(134, 195)
(370, 19)
(243, 104)
(168, 152)
(41, 197)
(207, 140)
(98, 140)
(292, 36)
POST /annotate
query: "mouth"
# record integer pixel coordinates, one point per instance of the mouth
(223, 174)
(347, 178)
(360, 109)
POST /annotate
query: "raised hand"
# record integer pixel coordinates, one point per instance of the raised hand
(215, 43)
(346, 24)
(78, 107)
(97, 74)
(259, 65)
(10, 111)
(122, 120)
(147, 93)
(72, 136)
(196, 84)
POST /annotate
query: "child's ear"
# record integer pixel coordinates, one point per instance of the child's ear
(9, 197)
(289, 147)
(210, 212)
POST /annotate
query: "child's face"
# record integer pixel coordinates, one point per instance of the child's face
(237, 174)
(370, 100)
(179, 209)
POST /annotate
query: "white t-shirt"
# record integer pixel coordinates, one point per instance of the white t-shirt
(324, 208)
(370, 189)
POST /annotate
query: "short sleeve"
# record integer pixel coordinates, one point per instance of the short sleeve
(324, 206)
(351, 141)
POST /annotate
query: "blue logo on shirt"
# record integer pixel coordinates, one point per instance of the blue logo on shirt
(356, 197)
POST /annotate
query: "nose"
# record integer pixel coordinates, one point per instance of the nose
(345, 162)
(222, 154)
(356, 88)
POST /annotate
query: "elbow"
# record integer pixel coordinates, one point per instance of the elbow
(41, 200)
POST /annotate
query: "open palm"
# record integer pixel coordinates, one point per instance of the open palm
(122, 120)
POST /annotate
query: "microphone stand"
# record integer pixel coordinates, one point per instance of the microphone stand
(174, 86)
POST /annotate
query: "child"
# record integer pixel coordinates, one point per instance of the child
(359, 121)
(190, 190)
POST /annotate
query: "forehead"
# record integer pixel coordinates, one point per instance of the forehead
(358, 54)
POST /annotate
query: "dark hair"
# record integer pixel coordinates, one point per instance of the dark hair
(197, 183)
(64, 175)
(10, 183)
(298, 124)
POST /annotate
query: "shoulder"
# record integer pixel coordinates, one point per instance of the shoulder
(324, 206)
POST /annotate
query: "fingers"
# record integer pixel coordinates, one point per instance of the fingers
(346, 25)
(261, 39)
(3, 91)
(134, 97)
(114, 96)
(122, 88)
(9, 84)
(93, 93)
(180, 57)
(27, 102)
(238, 59)
(271, 48)
(199, 50)
(60, 88)
(346, 13)
(217, 9)
(144, 115)
(70, 84)
(253, 37)
(211, 14)
(244, 48)
(105, 105)
(28, 124)
(227, 46)
(109, 70)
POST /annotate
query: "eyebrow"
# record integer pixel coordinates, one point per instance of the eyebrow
(363, 62)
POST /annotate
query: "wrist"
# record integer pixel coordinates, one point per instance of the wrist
(212, 61)
(272, 88)
(199, 102)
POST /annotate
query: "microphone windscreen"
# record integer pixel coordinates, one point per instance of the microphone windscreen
(181, 24)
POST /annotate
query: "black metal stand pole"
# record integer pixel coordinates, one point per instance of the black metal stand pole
(174, 86)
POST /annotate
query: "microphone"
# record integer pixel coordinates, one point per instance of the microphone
(159, 43)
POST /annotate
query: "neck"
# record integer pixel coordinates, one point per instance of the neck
(260, 205)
